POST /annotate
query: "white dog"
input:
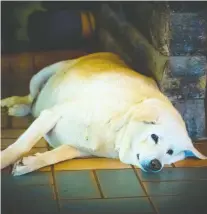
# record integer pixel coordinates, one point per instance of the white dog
(96, 105)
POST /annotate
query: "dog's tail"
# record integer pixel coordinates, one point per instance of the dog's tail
(38, 80)
(21, 106)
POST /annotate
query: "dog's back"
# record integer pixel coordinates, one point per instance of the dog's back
(96, 76)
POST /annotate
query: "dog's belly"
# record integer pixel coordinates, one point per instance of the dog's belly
(86, 131)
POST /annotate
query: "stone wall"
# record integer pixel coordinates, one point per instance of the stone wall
(167, 41)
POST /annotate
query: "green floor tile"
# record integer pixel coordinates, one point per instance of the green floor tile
(34, 178)
(119, 183)
(34, 207)
(180, 205)
(175, 174)
(121, 206)
(13, 192)
(28, 199)
(191, 188)
(76, 184)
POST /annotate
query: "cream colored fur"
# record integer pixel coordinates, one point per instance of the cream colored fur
(96, 105)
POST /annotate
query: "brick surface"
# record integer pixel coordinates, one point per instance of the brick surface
(5, 64)
(6, 84)
(5, 142)
(43, 59)
(21, 122)
(22, 64)
(4, 119)
(11, 133)
(8, 136)
(22, 68)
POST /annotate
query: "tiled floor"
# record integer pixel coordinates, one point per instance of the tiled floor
(99, 185)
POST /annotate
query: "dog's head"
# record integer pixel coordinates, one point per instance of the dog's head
(155, 134)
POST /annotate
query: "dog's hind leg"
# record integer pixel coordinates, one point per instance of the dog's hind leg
(31, 163)
(42, 125)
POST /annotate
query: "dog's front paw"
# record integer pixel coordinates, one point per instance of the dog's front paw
(25, 165)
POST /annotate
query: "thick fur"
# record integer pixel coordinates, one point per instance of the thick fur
(106, 109)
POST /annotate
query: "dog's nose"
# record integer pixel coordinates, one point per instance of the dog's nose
(155, 165)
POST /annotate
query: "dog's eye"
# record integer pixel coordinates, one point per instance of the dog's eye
(170, 152)
(155, 138)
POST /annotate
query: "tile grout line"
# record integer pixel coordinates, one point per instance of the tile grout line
(57, 199)
(98, 184)
(178, 180)
(108, 198)
(151, 203)
(55, 188)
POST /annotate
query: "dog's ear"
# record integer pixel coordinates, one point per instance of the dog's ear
(189, 152)
(193, 152)
(146, 114)
(138, 113)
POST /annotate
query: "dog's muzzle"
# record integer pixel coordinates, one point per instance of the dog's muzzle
(152, 166)
(155, 165)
